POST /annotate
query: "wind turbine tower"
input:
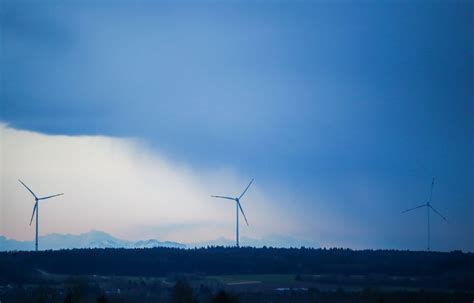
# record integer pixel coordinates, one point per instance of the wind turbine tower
(429, 208)
(36, 209)
(237, 207)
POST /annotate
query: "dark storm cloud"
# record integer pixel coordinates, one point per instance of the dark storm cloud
(357, 103)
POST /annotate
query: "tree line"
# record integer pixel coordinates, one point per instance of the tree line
(231, 260)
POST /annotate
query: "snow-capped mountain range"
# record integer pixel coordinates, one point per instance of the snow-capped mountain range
(92, 239)
(100, 239)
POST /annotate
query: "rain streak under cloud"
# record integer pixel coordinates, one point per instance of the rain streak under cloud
(120, 186)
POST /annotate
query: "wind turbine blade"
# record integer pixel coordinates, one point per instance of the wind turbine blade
(28, 189)
(431, 191)
(246, 189)
(410, 209)
(223, 197)
(34, 209)
(242, 211)
(437, 212)
(44, 198)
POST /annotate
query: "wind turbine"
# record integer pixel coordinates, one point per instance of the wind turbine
(36, 209)
(428, 208)
(237, 206)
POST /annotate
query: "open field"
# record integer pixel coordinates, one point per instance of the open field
(242, 288)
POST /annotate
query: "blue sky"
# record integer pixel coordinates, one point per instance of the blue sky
(349, 108)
